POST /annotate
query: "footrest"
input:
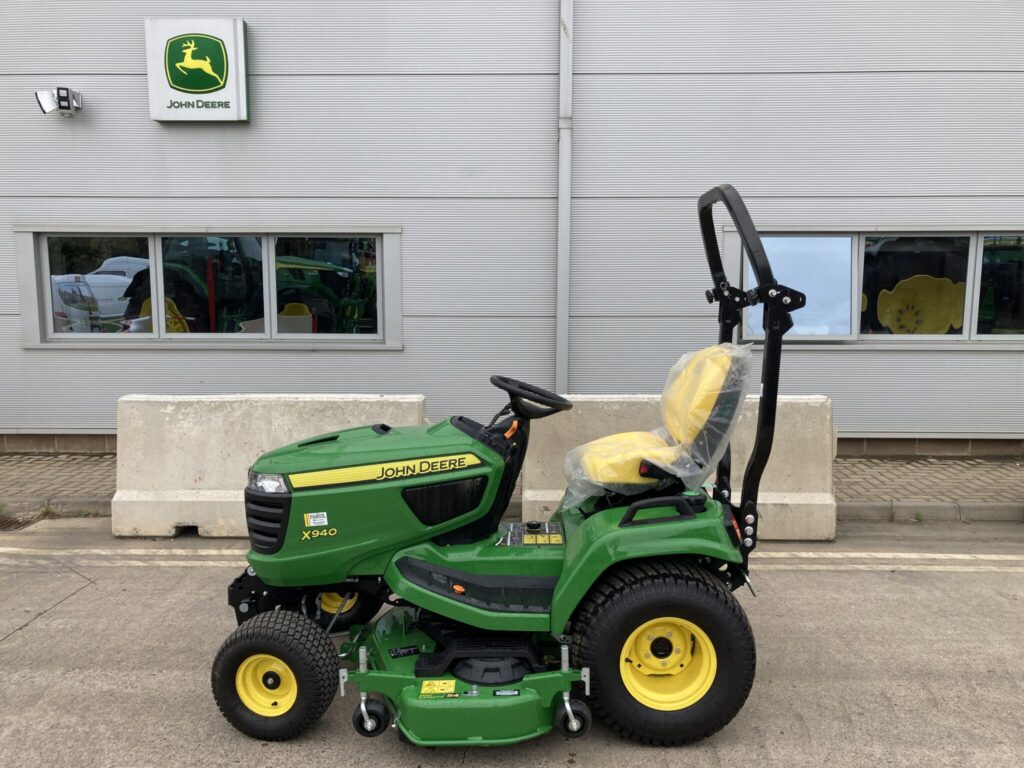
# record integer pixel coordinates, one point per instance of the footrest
(499, 593)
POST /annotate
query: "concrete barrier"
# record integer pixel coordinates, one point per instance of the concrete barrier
(796, 498)
(183, 460)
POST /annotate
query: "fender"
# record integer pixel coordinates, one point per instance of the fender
(596, 543)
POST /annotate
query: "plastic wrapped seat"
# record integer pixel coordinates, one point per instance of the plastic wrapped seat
(699, 406)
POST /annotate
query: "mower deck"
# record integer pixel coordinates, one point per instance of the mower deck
(434, 710)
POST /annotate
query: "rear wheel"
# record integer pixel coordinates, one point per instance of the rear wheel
(275, 675)
(670, 651)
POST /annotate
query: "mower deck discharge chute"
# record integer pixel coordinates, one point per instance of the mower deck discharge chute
(500, 631)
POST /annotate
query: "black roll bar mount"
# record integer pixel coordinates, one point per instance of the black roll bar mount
(779, 301)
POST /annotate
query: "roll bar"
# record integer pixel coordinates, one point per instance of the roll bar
(778, 301)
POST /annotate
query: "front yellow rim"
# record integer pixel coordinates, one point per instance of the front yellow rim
(332, 602)
(668, 664)
(266, 685)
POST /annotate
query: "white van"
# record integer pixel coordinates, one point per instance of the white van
(75, 309)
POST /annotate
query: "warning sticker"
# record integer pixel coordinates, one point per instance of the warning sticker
(436, 687)
(315, 519)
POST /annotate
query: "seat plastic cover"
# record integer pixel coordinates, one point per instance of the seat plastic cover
(699, 406)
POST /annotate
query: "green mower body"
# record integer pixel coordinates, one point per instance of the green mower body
(500, 630)
(423, 486)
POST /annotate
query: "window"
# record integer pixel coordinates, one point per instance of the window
(821, 266)
(326, 285)
(914, 285)
(254, 287)
(212, 284)
(892, 286)
(90, 278)
(1001, 286)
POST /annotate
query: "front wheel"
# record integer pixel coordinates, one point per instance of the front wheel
(670, 650)
(275, 675)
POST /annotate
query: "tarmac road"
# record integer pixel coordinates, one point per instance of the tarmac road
(896, 645)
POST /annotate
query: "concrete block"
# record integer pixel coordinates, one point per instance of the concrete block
(979, 511)
(183, 460)
(890, 447)
(80, 443)
(797, 500)
(26, 443)
(878, 511)
(980, 448)
(850, 446)
(943, 447)
(925, 511)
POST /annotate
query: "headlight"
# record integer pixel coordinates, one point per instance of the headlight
(267, 483)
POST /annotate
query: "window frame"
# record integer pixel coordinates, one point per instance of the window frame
(735, 264)
(979, 257)
(36, 311)
(43, 267)
(969, 303)
(380, 268)
(854, 304)
(177, 338)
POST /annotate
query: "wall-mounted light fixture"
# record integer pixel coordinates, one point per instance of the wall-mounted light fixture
(61, 100)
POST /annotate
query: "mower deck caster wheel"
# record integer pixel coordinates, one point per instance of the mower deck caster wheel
(374, 721)
(581, 714)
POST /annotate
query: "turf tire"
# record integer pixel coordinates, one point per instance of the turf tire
(637, 592)
(299, 643)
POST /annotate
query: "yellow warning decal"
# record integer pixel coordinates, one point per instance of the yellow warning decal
(390, 471)
(432, 687)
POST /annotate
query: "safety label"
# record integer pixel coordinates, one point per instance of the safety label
(532, 534)
(435, 687)
(315, 519)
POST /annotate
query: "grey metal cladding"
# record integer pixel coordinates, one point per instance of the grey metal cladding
(298, 38)
(795, 36)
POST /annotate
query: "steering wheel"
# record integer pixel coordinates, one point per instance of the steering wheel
(526, 399)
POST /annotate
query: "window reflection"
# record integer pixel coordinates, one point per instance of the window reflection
(914, 284)
(326, 285)
(821, 268)
(213, 284)
(92, 280)
(1001, 292)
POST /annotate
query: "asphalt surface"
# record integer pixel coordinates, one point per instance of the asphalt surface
(896, 645)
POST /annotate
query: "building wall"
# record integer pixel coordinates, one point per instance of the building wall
(890, 113)
(440, 116)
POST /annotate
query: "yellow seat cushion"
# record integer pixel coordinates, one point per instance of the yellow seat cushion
(692, 391)
(615, 459)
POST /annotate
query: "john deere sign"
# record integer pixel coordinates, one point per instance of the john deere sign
(196, 69)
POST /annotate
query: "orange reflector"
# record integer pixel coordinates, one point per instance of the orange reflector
(458, 589)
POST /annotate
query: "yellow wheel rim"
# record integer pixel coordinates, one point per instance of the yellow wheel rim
(266, 685)
(332, 602)
(668, 664)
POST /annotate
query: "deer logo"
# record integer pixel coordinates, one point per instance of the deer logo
(196, 63)
(201, 64)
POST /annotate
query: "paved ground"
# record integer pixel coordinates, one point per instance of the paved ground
(64, 483)
(895, 645)
(930, 489)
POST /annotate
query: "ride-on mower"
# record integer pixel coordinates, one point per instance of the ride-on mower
(499, 631)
